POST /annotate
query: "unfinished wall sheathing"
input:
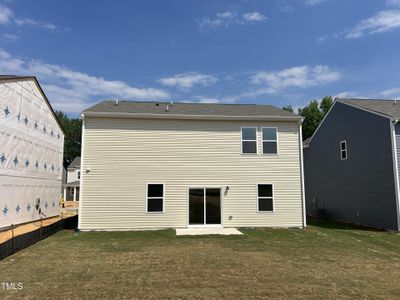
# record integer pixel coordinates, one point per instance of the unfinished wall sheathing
(31, 154)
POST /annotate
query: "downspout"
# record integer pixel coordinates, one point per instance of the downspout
(303, 202)
(81, 194)
(393, 124)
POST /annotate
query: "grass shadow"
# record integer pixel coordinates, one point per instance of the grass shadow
(334, 224)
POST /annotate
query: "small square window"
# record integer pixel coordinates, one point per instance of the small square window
(155, 198)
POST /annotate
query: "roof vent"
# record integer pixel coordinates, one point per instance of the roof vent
(116, 101)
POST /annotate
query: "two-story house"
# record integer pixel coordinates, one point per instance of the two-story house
(148, 165)
(352, 163)
(31, 152)
(71, 187)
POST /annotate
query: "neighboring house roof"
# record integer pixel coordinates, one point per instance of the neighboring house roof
(176, 110)
(75, 164)
(74, 183)
(386, 108)
(20, 78)
(390, 108)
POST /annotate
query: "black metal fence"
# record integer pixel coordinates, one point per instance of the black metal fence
(24, 240)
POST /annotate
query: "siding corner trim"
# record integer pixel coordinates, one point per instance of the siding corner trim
(395, 169)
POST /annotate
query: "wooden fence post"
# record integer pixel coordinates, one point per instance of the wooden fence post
(12, 238)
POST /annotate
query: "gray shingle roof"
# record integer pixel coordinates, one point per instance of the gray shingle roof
(76, 163)
(390, 108)
(189, 109)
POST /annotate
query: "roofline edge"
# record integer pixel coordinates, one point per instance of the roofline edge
(189, 117)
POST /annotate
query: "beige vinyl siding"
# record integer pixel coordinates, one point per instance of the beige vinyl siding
(123, 154)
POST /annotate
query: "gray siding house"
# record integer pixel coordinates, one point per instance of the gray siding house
(351, 163)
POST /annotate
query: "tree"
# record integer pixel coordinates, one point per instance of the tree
(288, 108)
(312, 117)
(326, 104)
(313, 114)
(72, 142)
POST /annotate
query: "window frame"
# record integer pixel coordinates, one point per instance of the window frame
(272, 198)
(343, 150)
(262, 141)
(147, 198)
(242, 140)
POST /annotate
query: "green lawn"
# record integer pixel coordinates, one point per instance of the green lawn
(325, 261)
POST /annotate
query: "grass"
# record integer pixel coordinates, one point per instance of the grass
(327, 260)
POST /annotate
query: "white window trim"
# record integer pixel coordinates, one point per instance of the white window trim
(345, 150)
(147, 198)
(262, 141)
(273, 198)
(202, 187)
(242, 140)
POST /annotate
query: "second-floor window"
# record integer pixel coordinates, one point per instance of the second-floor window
(269, 140)
(343, 150)
(249, 140)
(79, 175)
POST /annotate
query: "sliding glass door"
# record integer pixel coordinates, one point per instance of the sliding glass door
(204, 206)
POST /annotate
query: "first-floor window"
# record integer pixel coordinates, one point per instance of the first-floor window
(265, 197)
(155, 197)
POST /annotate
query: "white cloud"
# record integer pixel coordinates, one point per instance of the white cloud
(346, 94)
(72, 91)
(28, 21)
(383, 21)
(395, 3)
(322, 39)
(188, 80)
(209, 100)
(6, 15)
(9, 37)
(254, 17)
(228, 18)
(296, 77)
(313, 2)
(392, 93)
(226, 14)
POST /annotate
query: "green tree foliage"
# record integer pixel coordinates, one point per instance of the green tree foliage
(326, 104)
(288, 108)
(72, 142)
(313, 114)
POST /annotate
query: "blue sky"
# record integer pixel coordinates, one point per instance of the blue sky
(276, 51)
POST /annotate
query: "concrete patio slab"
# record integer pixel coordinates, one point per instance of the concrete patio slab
(205, 231)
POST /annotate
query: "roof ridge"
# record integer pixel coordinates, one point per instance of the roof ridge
(189, 103)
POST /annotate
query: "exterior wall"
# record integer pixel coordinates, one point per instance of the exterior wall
(72, 175)
(124, 154)
(360, 189)
(30, 157)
